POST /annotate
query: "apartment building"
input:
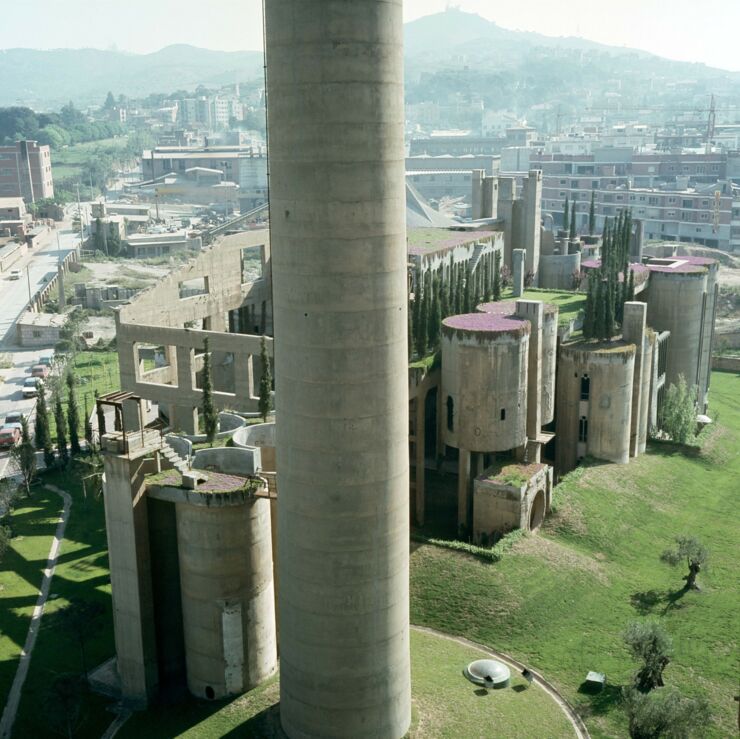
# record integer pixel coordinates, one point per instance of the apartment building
(25, 171)
(678, 197)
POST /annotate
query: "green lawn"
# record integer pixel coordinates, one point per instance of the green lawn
(445, 705)
(34, 523)
(569, 302)
(81, 573)
(560, 600)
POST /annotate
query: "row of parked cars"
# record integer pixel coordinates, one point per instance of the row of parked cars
(10, 431)
(39, 372)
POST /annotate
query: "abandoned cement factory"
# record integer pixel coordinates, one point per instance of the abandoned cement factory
(293, 540)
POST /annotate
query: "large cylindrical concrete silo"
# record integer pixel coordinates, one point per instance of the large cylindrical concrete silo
(484, 381)
(228, 603)
(337, 215)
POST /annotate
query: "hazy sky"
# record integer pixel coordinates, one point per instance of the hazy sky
(691, 30)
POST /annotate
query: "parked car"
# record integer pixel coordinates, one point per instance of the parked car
(15, 274)
(47, 359)
(9, 437)
(31, 387)
(40, 370)
(13, 418)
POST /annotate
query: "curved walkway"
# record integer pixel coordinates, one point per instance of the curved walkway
(577, 722)
(14, 696)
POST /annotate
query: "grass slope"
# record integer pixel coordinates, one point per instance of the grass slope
(445, 705)
(561, 600)
(34, 522)
(82, 573)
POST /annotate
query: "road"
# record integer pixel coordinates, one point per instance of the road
(37, 265)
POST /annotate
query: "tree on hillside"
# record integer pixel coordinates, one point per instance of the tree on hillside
(693, 553)
(73, 415)
(264, 404)
(566, 215)
(664, 712)
(110, 102)
(592, 214)
(24, 457)
(60, 423)
(648, 642)
(678, 415)
(210, 417)
(41, 428)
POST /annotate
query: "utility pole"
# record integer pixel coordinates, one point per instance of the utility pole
(28, 282)
(79, 211)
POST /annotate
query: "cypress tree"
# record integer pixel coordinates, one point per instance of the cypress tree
(573, 222)
(444, 296)
(460, 297)
(487, 280)
(497, 277)
(421, 328)
(631, 286)
(41, 428)
(588, 317)
(210, 418)
(416, 315)
(604, 245)
(609, 310)
(468, 294)
(592, 214)
(73, 415)
(566, 215)
(599, 329)
(435, 316)
(264, 405)
(59, 420)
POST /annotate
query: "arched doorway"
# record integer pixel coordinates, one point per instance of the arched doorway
(537, 512)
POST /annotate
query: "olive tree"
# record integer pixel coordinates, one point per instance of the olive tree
(693, 553)
(648, 642)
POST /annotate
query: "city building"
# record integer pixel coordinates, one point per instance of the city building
(25, 171)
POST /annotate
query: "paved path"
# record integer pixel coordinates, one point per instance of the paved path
(14, 697)
(579, 727)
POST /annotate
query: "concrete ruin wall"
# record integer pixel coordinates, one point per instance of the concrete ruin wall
(500, 507)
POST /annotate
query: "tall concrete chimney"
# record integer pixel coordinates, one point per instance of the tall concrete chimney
(337, 216)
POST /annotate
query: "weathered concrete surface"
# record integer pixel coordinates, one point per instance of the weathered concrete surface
(336, 117)
(519, 257)
(127, 527)
(228, 605)
(607, 410)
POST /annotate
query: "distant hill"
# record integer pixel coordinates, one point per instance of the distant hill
(48, 79)
(455, 31)
(491, 57)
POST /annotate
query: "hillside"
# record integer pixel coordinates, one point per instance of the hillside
(560, 600)
(47, 79)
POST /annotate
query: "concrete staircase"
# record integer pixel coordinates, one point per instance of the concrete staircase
(477, 254)
(174, 458)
